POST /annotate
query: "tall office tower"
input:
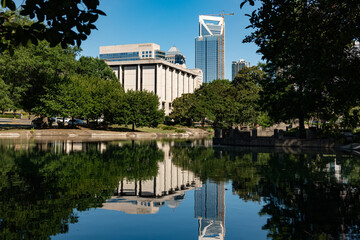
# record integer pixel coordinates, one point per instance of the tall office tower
(236, 66)
(209, 52)
(210, 211)
(175, 56)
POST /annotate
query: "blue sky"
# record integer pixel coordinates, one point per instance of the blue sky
(168, 23)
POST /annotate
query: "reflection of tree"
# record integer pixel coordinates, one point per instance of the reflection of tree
(305, 201)
(39, 190)
(303, 197)
(223, 166)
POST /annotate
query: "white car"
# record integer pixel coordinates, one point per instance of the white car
(60, 119)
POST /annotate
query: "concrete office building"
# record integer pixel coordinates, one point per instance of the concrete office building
(175, 56)
(236, 66)
(209, 52)
(143, 67)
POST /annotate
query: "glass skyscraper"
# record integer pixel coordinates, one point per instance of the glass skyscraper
(209, 53)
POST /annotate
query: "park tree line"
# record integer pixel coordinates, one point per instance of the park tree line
(50, 81)
(224, 103)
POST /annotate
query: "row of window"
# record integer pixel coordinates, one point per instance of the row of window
(146, 52)
(110, 56)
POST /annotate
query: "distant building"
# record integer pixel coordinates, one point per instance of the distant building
(236, 66)
(175, 56)
(209, 53)
(143, 67)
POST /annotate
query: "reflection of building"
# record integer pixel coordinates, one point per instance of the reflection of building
(210, 210)
(237, 66)
(209, 55)
(147, 196)
(143, 67)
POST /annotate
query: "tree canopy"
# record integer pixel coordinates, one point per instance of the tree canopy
(57, 21)
(222, 102)
(311, 54)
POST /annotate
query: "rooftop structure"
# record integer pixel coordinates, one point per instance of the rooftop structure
(175, 56)
(131, 52)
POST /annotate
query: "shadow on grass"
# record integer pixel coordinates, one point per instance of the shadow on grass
(15, 127)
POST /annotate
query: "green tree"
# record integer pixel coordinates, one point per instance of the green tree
(184, 109)
(311, 57)
(141, 108)
(94, 67)
(32, 72)
(247, 83)
(58, 22)
(5, 100)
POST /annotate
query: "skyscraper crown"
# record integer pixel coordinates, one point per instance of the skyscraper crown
(210, 25)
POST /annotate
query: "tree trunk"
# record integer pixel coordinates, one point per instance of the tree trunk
(302, 127)
(133, 127)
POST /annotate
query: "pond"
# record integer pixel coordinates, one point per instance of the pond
(65, 189)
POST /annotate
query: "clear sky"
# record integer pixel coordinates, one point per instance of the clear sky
(168, 23)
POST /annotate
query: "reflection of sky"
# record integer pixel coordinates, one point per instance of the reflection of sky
(241, 222)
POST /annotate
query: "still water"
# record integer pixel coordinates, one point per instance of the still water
(61, 189)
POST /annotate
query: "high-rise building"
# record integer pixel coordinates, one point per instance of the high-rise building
(209, 52)
(175, 56)
(236, 66)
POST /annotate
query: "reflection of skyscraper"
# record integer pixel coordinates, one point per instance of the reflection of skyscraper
(210, 210)
(209, 55)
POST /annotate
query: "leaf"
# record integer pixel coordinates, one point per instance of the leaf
(97, 11)
(242, 4)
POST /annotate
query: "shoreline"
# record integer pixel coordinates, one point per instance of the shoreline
(90, 134)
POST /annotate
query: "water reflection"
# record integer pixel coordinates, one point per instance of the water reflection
(146, 197)
(305, 195)
(40, 187)
(210, 210)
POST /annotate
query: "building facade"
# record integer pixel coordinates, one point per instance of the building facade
(151, 72)
(237, 66)
(209, 52)
(175, 56)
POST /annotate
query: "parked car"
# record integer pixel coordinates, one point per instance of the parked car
(37, 122)
(76, 122)
(60, 119)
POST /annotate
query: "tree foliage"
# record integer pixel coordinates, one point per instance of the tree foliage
(141, 108)
(58, 22)
(222, 102)
(311, 56)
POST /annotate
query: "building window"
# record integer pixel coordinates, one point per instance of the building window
(163, 105)
(169, 105)
(146, 55)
